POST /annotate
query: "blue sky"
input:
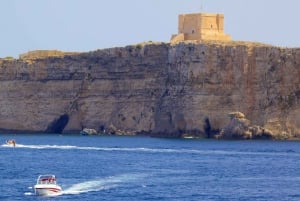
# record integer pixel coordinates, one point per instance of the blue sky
(86, 25)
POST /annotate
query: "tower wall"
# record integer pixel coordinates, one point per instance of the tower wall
(201, 26)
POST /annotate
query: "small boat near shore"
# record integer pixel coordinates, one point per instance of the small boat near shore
(11, 142)
(46, 186)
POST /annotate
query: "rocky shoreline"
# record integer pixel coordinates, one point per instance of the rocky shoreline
(223, 90)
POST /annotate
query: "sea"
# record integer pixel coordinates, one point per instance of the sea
(133, 168)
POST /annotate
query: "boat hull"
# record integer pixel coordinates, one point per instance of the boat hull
(47, 190)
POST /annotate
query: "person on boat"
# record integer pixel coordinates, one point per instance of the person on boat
(51, 180)
(12, 141)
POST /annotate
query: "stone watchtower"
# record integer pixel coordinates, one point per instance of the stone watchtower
(200, 26)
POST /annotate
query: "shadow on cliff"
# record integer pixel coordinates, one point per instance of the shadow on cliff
(58, 125)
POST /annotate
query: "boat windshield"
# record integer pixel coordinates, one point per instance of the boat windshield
(46, 180)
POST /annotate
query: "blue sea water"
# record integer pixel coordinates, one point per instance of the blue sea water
(143, 168)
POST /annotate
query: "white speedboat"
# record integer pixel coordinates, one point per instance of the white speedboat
(46, 186)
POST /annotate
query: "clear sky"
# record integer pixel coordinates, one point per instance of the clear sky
(86, 25)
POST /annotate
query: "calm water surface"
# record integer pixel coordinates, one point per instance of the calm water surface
(143, 168)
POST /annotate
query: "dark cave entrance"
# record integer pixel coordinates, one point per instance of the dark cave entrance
(58, 125)
(207, 127)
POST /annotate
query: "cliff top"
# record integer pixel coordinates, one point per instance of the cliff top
(39, 54)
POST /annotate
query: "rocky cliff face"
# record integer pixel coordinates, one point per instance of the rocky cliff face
(160, 89)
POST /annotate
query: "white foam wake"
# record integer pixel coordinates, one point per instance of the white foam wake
(99, 184)
(134, 149)
(41, 146)
(28, 193)
(151, 150)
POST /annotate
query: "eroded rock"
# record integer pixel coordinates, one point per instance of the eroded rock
(240, 128)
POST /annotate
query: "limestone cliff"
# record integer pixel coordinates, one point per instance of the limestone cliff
(159, 89)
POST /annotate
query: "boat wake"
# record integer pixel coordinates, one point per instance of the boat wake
(66, 147)
(41, 146)
(28, 193)
(89, 186)
(153, 150)
(99, 184)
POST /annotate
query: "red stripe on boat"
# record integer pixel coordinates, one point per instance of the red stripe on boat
(50, 189)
